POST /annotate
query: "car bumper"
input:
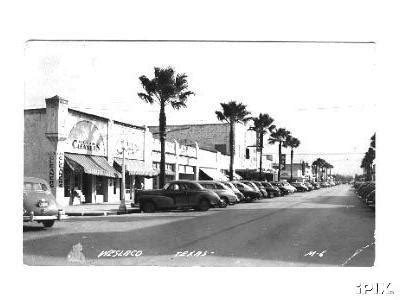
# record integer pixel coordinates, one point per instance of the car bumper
(32, 217)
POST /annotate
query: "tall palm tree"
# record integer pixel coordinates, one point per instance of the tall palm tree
(279, 136)
(166, 88)
(319, 163)
(232, 113)
(367, 162)
(261, 125)
(292, 143)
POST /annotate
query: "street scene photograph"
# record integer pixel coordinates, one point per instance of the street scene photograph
(199, 153)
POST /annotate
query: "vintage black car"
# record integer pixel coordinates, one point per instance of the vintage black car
(180, 194)
(272, 190)
(39, 203)
(248, 193)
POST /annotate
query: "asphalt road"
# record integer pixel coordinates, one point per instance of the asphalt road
(327, 227)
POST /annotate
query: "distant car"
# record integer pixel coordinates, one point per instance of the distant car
(308, 185)
(316, 185)
(366, 189)
(370, 199)
(180, 194)
(324, 184)
(274, 190)
(230, 185)
(284, 191)
(289, 186)
(257, 187)
(39, 203)
(225, 194)
(249, 193)
(300, 187)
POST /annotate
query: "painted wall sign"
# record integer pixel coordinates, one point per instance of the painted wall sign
(60, 163)
(131, 139)
(52, 169)
(86, 138)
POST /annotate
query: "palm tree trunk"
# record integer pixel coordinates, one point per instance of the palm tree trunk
(261, 151)
(163, 135)
(279, 160)
(291, 164)
(231, 149)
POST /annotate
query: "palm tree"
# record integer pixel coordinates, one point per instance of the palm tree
(319, 163)
(367, 162)
(166, 88)
(232, 113)
(292, 142)
(261, 125)
(279, 136)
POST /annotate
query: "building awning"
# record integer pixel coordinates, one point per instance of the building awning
(136, 167)
(94, 165)
(214, 174)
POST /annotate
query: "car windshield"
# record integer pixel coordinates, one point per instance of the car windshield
(35, 187)
(208, 186)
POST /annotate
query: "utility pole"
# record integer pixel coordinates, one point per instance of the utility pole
(122, 206)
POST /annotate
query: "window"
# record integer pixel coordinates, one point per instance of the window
(35, 186)
(208, 186)
(247, 153)
(219, 186)
(173, 187)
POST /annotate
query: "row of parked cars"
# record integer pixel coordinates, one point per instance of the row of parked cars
(365, 191)
(203, 195)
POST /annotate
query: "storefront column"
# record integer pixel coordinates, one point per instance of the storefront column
(176, 160)
(131, 187)
(196, 167)
(105, 189)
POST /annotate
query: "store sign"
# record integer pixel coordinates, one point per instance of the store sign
(86, 138)
(56, 169)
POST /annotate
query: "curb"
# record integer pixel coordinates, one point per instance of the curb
(101, 213)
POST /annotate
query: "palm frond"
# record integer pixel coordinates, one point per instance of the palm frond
(146, 98)
(178, 104)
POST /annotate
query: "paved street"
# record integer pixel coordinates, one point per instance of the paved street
(327, 227)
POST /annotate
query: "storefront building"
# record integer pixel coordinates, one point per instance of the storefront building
(80, 154)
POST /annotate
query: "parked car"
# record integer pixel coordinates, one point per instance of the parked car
(225, 194)
(39, 203)
(256, 187)
(300, 187)
(324, 184)
(249, 193)
(289, 186)
(179, 194)
(370, 199)
(230, 185)
(274, 190)
(308, 185)
(366, 189)
(316, 185)
(284, 191)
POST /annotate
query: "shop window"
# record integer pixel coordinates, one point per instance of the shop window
(99, 185)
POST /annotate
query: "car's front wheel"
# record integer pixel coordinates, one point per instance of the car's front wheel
(48, 223)
(148, 207)
(204, 205)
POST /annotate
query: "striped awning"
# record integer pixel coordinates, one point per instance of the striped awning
(136, 167)
(214, 174)
(94, 165)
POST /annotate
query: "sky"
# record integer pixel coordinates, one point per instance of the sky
(323, 93)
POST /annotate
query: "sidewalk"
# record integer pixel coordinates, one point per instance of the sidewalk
(99, 209)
